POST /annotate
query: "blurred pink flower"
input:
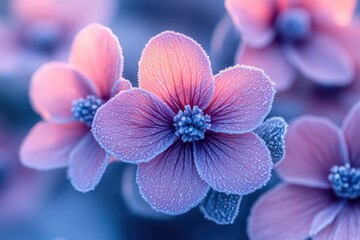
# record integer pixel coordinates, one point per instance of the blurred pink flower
(22, 190)
(67, 97)
(36, 31)
(284, 37)
(66, 16)
(320, 196)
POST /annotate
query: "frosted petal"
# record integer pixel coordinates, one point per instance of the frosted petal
(273, 131)
(220, 207)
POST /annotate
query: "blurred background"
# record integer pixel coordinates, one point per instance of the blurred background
(43, 205)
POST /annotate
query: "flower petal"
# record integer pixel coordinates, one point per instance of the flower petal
(132, 197)
(97, 54)
(120, 85)
(253, 20)
(325, 217)
(338, 11)
(286, 212)
(243, 97)
(54, 87)
(87, 164)
(283, 74)
(134, 126)
(313, 146)
(344, 227)
(220, 207)
(351, 131)
(349, 37)
(48, 145)
(234, 164)
(176, 69)
(170, 182)
(273, 132)
(323, 60)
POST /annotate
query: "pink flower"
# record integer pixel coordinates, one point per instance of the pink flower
(320, 194)
(187, 129)
(296, 36)
(67, 97)
(34, 31)
(64, 16)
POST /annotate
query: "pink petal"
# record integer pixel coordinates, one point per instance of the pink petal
(253, 19)
(48, 145)
(322, 60)
(351, 129)
(120, 85)
(349, 38)
(287, 212)
(346, 225)
(313, 146)
(325, 217)
(283, 74)
(134, 126)
(176, 69)
(97, 54)
(339, 12)
(243, 97)
(87, 164)
(170, 182)
(54, 87)
(236, 164)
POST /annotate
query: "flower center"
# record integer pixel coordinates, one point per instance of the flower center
(293, 25)
(191, 124)
(84, 109)
(345, 180)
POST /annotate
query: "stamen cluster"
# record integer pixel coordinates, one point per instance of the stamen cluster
(84, 109)
(191, 124)
(345, 180)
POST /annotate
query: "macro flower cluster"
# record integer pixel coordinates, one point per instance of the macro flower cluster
(187, 130)
(261, 135)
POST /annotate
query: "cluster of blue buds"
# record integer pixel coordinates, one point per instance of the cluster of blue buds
(345, 181)
(191, 124)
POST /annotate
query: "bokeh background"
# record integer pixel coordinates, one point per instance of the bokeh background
(43, 205)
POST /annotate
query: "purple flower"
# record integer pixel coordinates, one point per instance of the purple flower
(67, 97)
(299, 36)
(320, 196)
(186, 129)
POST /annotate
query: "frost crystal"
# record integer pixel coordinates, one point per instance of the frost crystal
(345, 180)
(84, 110)
(191, 124)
